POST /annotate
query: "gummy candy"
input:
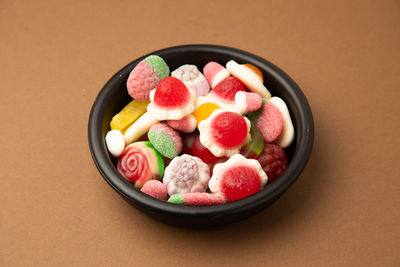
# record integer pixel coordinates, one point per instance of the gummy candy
(203, 111)
(128, 115)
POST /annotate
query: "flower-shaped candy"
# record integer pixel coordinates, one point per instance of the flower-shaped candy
(224, 132)
(237, 178)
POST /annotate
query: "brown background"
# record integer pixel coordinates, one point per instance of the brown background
(56, 210)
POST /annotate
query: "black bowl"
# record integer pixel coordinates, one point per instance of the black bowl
(113, 97)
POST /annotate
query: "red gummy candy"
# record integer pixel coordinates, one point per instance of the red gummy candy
(203, 153)
(239, 182)
(229, 129)
(273, 161)
(171, 93)
(228, 87)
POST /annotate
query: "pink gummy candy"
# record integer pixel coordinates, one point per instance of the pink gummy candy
(246, 102)
(214, 73)
(141, 81)
(270, 122)
(187, 124)
(155, 189)
(202, 199)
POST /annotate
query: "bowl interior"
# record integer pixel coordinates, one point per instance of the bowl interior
(113, 97)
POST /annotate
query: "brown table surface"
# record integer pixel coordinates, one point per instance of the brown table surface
(56, 210)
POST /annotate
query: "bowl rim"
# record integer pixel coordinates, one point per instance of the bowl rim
(299, 160)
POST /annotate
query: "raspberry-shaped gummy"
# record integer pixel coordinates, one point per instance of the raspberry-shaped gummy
(273, 161)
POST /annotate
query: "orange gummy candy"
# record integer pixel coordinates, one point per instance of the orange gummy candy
(204, 110)
(256, 70)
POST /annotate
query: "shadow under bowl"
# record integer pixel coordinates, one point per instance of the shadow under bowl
(113, 97)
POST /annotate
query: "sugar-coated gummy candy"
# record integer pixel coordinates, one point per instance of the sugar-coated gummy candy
(192, 78)
(214, 73)
(268, 120)
(246, 102)
(187, 124)
(115, 142)
(197, 199)
(156, 189)
(166, 140)
(237, 178)
(128, 115)
(287, 135)
(145, 76)
(171, 100)
(249, 78)
(186, 174)
(224, 132)
(140, 162)
(139, 128)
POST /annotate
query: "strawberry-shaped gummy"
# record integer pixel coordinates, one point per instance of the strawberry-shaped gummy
(171, 93)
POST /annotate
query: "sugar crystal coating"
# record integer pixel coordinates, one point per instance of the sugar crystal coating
(186, 174)
(192, 78)
(165, 139)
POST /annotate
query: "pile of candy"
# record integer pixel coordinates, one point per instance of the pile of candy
(197, 138)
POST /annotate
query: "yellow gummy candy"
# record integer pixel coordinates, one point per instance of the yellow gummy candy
(205, 110)
(129, 114)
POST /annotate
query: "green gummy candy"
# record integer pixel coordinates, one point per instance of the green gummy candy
(163, 143)
(256, 145)
(176, 199)
(158, 65)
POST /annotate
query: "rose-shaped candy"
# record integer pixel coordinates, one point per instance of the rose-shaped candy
(140, 162)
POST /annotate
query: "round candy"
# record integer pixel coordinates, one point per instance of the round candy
(237, 178)
(140, 162)
(128, 115)
(146, 76)
(249, 78)
(156, 189)
(165, 139)
(171, 100)
(186, 174)
(224, 132)
(192, 77)
(197, 199)
(214, 73)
